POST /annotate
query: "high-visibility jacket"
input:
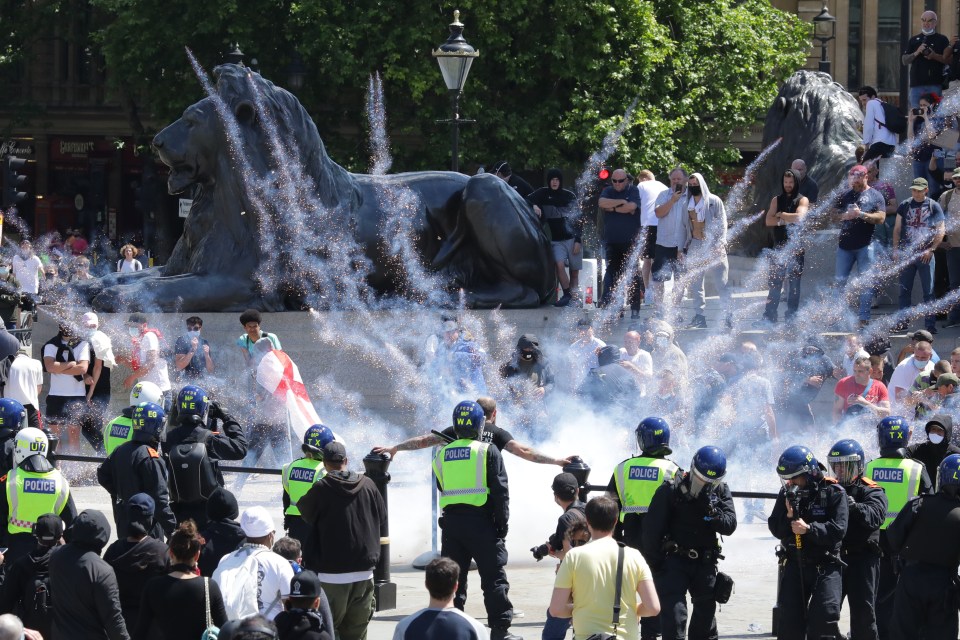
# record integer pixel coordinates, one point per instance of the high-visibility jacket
(461, 470)
(297, 478)
(900, 480)
(638, 479)
(116, 432)
(30, 495)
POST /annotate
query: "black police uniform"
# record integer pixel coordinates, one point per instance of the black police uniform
(136, 467)
(477, 533)
(811, 584)
(867, 505)
(229, 443)
(889, 569)
(926, 534)
(680, 544)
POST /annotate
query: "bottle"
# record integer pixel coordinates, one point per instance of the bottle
(589, 299)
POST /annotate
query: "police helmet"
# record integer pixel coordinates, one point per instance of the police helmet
(316, 438)
(193, 401)
(468, 420)
(948, 475)
(147, 419)
(13, 416)
(708, 467)
(145, 391)
(797, 461)
(653, 435)
(893, 432)
(29, 442)
(847, 461)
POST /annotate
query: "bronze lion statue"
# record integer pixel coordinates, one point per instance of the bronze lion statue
(276, 224)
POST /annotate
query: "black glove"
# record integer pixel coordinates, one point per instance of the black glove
(216, 413)
(851, 503)
(502, 531)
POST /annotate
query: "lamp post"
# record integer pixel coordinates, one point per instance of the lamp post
(455, 57)
(824, 30)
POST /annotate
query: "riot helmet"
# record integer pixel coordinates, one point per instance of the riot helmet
(315, 439)
(29, 442)
(193, 401)
(13, 417)
(948, 475)
(847, 461)
(653, 436)
(145, 391)
(468, 420)
(148, 420)
(893, 432)
(797, 461)
(707, 469)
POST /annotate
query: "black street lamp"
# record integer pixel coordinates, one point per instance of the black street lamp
(455, 57)
(824, 30)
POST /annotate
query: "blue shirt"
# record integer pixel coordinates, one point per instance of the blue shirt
(621, 227)
(439, 624)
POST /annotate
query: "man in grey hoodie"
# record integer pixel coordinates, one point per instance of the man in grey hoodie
(707, 250)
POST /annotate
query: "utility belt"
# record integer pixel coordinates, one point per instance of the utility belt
(870, 546)
(808, 558)
(711, 554)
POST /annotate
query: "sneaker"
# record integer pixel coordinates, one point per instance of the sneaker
(563, 301)
(634, 314)
(698, 322)
(900, 327)
(503, 634)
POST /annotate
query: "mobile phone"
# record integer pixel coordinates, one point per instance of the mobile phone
(678, 188)
(3, 550)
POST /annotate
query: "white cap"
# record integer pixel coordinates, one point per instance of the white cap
(256, 522)
(90, 319)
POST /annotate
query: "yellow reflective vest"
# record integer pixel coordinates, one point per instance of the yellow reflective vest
(297, 478)
(461, 471)
(638, 479)
(30, 495)
(900, 480)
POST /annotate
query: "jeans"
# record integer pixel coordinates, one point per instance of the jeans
(864, 259)
(618, 258)
(916, 92)
(925, 271)
(791, 271)
(718, 274)
(953, 267)
(555, 628)
(922, 170)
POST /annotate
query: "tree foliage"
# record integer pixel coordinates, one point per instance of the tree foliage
(551, 80)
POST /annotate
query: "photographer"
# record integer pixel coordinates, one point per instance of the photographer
(926, 53)
(922, 130)
(565, 487)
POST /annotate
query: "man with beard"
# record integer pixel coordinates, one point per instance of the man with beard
(558, 206)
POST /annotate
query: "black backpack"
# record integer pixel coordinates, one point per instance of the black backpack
(41, 607)
(896, 122)
(193, 475)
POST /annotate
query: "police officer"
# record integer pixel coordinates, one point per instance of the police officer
(136, 467)
(13, 418)
(810, 519)
(32, 488)
(680, 543)
(633, 484)
(120, 429)
(298, 476)
(193, 449)
(901, 479)
(926, 534)
(475, 503)
(867, 506)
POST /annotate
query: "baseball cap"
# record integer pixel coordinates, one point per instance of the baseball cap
(857, 169)
(90, 319)
(137, 318)
(256, 522)
(334, 452)
(305, 584)
(48, 528)
(922, 334)
(918, 183)
(947, 378)
(956, 173)
(140, 505)
(565, 484)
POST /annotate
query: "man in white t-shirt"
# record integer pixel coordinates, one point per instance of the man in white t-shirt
(24, 383)
(585, 588)
(583, 352)
(441, 620)
(649, 188)
(636, 360)
(920, 363)
(27, 269)
(147, 363)
(65, 358)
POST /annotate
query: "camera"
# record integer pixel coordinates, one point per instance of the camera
(927, 49)
(918, 111)
(539, 553)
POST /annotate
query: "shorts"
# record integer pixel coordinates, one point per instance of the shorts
(665, 263)
(563, 252)
(651, 242)
(62, 409)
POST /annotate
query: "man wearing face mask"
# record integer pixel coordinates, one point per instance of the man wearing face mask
(529, 378)
(926, 54)
(920, 363)
(931, 453)
(28, 269)
(66, 358)
(707, 249)
(148, 363)
(97, 377)
(192, 353)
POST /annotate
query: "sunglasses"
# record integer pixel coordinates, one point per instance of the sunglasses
(615, 181)
(578, 543)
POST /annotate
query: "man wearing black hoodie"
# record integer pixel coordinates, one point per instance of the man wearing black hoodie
(87, 601)
(138, 557)
(931, 453)
(348, 520)
(222, 534)
(558, 206)
(528, 378)
(20, 594)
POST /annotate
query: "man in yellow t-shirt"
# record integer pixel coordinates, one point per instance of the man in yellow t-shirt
(586, 582)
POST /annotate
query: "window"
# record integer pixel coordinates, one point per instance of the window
(888, 45)
(854, 42)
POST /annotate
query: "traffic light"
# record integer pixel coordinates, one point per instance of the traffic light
(603, 174)
(13, 181)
